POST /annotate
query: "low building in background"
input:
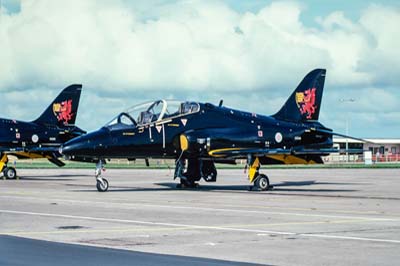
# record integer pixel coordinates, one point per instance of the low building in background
(383, 150)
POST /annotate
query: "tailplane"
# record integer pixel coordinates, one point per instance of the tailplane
(305, 102)
(63, 110)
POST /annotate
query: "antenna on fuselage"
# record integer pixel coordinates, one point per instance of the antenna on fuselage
(220, 103)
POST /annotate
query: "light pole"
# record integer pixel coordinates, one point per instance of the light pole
(349, 100)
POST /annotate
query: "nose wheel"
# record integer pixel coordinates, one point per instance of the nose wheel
(101, 184)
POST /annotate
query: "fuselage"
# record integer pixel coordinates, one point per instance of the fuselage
(207, 128)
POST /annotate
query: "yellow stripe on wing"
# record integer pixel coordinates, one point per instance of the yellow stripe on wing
(290, 159)
(212, 153)
(28, 155)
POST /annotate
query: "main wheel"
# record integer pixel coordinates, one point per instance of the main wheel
(208, 171)
(10, 172)
(102, 186)
(262, 182)
(211, 176)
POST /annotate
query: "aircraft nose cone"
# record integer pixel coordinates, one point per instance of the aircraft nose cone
(72, 147)
(84, 145)
(66, 149)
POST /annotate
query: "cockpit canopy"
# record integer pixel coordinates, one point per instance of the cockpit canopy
(156, 111)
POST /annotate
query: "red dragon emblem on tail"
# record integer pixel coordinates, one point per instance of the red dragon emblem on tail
(306, 102)
(63, 111)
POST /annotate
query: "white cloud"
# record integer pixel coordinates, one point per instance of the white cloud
(193, 48)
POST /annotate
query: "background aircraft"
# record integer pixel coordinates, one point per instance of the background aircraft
(198, 135)
(42, 137)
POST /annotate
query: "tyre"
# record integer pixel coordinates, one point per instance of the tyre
(10, 172)
(187, 184)
(208, 171)
(211, 176)
(262, 182)
(102, 186)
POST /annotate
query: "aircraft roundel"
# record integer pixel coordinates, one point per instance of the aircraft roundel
(35, 138)
(278, 137)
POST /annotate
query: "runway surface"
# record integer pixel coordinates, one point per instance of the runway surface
(312, 217)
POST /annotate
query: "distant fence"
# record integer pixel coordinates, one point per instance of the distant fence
(359, 158)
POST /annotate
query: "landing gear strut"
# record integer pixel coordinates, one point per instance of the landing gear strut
(261, 181)
(101, 183)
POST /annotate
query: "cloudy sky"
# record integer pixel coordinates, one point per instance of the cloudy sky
(252, 54)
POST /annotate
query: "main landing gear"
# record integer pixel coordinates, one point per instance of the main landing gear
(101, 183)
(196, 169)
(260, 181)
(9, 172)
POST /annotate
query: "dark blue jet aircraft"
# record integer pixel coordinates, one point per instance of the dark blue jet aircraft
(198, 135)
(42, 137)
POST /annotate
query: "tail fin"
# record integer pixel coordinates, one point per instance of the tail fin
(63, 110)
(305, 102)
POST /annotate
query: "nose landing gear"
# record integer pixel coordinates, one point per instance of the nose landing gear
(101, 183)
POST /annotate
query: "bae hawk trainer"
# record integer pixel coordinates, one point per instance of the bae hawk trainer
(198, 135)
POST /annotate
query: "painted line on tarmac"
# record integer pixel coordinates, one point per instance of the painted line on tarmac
(25, 196)
(141, 205)
(300, 223)
(91, 231)
(218, 228)
(160, 229)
